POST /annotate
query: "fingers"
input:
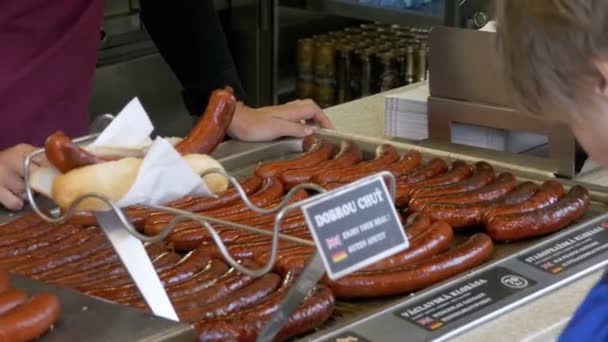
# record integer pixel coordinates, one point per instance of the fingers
(9, 200)
(291, 129)
(40, 160)
(303, 110)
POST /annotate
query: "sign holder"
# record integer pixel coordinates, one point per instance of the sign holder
(129, 243)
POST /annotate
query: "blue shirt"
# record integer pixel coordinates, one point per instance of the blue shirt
(590, 321)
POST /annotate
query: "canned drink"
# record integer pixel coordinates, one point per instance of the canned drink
(305, 56)
(422, 62)
(343, 74)
(409, 69)
(324, 93)
(366, 72)
(388, 77)
(305, 86)
(324, 62)
(401, 61)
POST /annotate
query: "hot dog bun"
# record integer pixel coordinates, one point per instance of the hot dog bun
(112, 179)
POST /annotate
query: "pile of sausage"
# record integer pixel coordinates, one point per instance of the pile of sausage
(24, 318)
(435, 199)
(222, 303)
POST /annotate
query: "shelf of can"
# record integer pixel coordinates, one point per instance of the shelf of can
(426, 15)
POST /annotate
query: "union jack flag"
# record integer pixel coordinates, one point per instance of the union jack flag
(333, 242)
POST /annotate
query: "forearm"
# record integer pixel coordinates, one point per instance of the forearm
(190, 38)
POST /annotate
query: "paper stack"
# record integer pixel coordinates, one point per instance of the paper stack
(405, 116)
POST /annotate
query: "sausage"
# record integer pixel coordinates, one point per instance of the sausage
(66, 155)
(120, 277)
(469, 214)
(317, 150)
(49, 248)
(405, 164)
(212, 126)
(385, 155)
(5, 281)
(30, 320)
(187, 238)
(196, 204)
(57, 233)
(550, 192)
(348, 155)
(107, 265)
(435, 240)
(477, 249)
(101, 257)
(204, 137)
(21, 224)
(457, 173)
(186, 268)
(316, 309)
(240, 299)
(224, 287)
(271, 191)
(11, 299)
(138, 215)
(483, 175)
(203, 279)
(518, 226)
(504, 183)
(247, 250)
(416, 224)
(433, 168)
(28, 234)
(69, 254)
(247, 324)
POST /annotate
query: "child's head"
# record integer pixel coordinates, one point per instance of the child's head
(556, 59)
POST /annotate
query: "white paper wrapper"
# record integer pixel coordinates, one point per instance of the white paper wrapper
(164, 175)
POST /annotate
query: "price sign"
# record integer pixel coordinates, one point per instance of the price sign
(355, 226)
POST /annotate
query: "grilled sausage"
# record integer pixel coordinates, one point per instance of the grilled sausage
(433, 168)
(504, 183)
(317, 150)
(469, 214)
(550, 192)
(11, 299)
(477, 249)
(435, 240)
(405, 164)
(385, 155)
(348, 155)
(212, 126)
(31, 319)
(549, 219)
(239, 300)
(483, 175)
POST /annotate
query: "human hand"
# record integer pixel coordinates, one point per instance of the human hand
(12, 186)
(269, 123)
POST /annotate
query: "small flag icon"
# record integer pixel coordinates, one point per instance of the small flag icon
(339, 256)
(435, 325)
(333, 242)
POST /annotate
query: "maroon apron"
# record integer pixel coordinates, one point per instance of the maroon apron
(48, 52)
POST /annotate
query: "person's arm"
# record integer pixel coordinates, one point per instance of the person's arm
(189, 36)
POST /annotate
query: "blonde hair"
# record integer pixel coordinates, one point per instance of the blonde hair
(549, 49)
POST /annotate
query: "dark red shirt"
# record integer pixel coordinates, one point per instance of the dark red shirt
(48, 52)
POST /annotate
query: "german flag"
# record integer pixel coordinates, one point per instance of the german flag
(339, 256)
(436, 325)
